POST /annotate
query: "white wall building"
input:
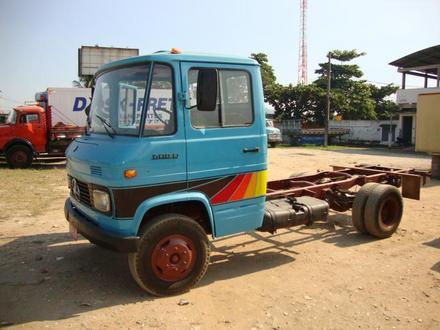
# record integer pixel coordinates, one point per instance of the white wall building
(367, 131)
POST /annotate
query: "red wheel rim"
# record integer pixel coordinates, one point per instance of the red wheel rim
(389, 212)
(173, 258)
(19, 157)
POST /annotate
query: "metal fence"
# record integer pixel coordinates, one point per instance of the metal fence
(290, 130)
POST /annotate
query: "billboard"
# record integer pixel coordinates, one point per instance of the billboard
(90, 58)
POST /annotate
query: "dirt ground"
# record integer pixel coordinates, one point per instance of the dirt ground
(326, 276)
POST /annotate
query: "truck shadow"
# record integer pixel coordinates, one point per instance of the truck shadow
(435, 243)
(49, 277)
(40, 164)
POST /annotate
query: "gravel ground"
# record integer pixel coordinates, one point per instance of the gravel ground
(324, 276)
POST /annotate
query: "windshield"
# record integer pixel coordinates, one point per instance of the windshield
(119, 97)
(12, 117)
(118, 100)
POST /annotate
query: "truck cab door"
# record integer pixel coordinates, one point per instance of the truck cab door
(228, 144)
(30, 127)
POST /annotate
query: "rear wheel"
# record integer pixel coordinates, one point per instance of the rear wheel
(383, 211)
(19, 156)
(173, 255)
(358, 209)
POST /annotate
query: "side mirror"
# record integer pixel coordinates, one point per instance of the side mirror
(207, 89)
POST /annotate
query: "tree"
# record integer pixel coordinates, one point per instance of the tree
(267, 72)
(384, 107)
(341, 74)
(304, 102)
(83, 82)
(351, 97)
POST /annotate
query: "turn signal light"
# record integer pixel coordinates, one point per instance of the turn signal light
(175, 51)
(130, 173)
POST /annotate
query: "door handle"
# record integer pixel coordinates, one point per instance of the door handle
(256, 149)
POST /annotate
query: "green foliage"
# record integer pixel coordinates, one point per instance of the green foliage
(384, 107)
(341, 74)
(345, 55)
(350, 97)
(83, 82)
(267, 72)
(303, 102)
(353, 102)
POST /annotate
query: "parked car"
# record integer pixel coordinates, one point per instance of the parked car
(273, 134)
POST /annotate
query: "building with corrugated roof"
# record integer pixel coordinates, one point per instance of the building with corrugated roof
(424, 64)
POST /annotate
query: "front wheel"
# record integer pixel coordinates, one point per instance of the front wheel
(172, 256)
(19, 156)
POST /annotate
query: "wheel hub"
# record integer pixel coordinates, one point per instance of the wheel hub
(19, 157)
(389, 212)
(173, 258)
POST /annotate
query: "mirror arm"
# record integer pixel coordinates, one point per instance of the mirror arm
(183, 96)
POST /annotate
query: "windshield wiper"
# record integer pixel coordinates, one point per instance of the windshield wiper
(107, 124)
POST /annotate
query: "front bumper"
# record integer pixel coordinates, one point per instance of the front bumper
(95, 234)
(274, 138)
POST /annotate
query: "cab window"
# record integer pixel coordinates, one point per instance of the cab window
(234, 101)
(29, 118)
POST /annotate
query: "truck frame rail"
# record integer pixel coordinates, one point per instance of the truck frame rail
(335, 186)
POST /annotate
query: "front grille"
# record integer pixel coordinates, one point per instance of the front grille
(84, 191)
(85, 196)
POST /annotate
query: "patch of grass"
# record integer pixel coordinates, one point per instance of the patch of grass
(30, 192)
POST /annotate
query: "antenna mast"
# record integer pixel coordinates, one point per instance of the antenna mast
(302, 58)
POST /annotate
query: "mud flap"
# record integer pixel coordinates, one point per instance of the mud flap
(411, 186)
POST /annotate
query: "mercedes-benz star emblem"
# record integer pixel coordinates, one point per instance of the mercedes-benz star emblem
(75, 189)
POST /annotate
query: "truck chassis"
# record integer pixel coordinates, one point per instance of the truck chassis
(377, 205)
(333, 186)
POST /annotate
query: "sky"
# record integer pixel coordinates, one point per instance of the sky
(39, 40)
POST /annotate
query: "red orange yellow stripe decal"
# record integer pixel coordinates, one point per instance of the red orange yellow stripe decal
(241, 190)
(244, 186)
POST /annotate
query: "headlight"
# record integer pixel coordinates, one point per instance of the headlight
(101, 200)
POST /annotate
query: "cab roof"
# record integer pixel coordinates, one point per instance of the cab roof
(29, 108)
(168, 56)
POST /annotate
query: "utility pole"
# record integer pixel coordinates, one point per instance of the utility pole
(327, 112)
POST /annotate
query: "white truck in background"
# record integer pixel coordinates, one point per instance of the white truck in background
(65, 106)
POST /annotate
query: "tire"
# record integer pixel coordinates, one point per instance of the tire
(358, 208)
(173, 255)
(273, 144)
(383, 211)
(19, 156)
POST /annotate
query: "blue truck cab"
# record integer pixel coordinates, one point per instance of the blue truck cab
(176, 151)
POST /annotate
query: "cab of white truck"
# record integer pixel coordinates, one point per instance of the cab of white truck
(273, 134)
